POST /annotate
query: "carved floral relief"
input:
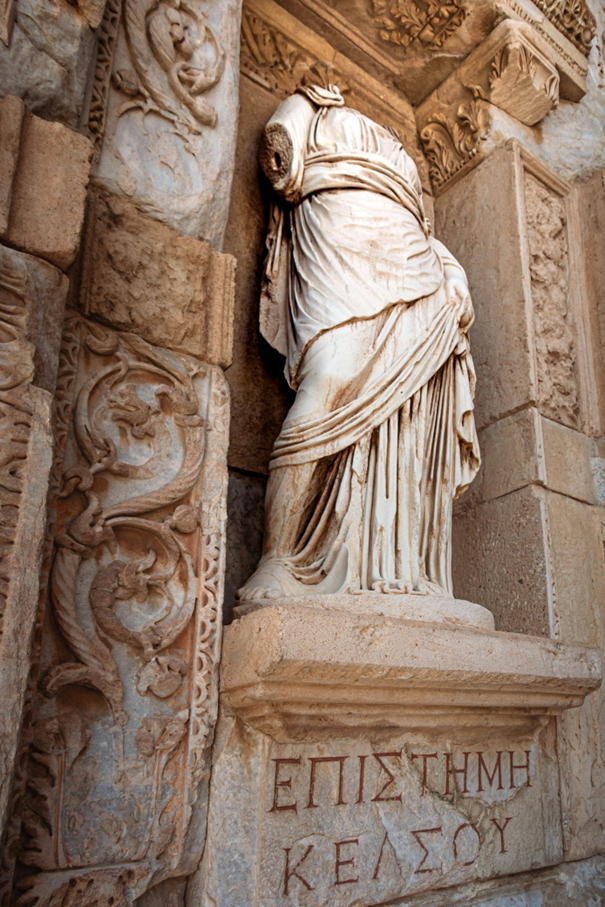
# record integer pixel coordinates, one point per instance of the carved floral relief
(426, 22)
(127, 691)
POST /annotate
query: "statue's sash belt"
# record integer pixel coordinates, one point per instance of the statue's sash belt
(361, 171)
(346, 425)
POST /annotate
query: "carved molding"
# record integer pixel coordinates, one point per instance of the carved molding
(426, 22)
(127, 696)
(25, 458)
(510, 70)
(573, 18)
(176, 57)
(106, 46)
(279, 64)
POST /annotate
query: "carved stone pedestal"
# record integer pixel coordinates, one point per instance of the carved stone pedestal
(362, 757)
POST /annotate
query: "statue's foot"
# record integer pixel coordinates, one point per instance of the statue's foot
(270, 580)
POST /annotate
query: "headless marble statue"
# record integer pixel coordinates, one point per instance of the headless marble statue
(372, 314)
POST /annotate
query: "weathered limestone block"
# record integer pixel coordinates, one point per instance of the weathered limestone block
(45, 57)
(43, 186)
(567, 885)
(164, 111)
(530, 338)
(359, 759)
(124, 717)
(550, 564)
(527, 449)
(140, 276)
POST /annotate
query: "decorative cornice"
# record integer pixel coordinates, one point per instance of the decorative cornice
(573, 18)
(404, 22)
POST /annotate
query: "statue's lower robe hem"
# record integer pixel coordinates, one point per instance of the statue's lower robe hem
(376, 447)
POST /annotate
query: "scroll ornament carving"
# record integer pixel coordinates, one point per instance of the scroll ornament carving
(404, 22)
(176, 57)
(451, 139)
(128, 688)
(107, 37)
(16, 373)
(271, 59)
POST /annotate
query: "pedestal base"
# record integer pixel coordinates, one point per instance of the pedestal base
(436, 609)
(361, 758)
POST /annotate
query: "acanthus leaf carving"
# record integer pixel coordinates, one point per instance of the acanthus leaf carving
(279, 64)
(427, 22)
(451, 139)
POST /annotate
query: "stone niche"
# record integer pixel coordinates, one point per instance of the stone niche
(361, 757)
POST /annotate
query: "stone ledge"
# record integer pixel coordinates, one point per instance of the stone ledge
(286, 667)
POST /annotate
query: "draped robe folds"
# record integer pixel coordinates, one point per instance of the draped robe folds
(362, 302)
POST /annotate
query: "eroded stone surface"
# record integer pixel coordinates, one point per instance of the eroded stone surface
(141, 276)
(44, 204)
(54, 41)
(169, 136)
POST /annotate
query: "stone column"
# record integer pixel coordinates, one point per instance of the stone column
(126, 703)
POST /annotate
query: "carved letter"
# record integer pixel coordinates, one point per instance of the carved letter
(339, 862)
(379, 798)
(449, 771)
(481, 767)
(524, 766)
(501, 830)
(294, 871)
(424, 757)
(285, 782)
(426, 831)
(379, 860)
(314, 760)
(362, 770)
(457, 832)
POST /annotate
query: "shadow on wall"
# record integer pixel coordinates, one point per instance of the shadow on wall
(245, 505)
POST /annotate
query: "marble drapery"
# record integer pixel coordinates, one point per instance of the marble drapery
(372, 314)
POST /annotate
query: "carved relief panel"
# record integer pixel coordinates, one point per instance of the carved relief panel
(163, 112)
(127, 692)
